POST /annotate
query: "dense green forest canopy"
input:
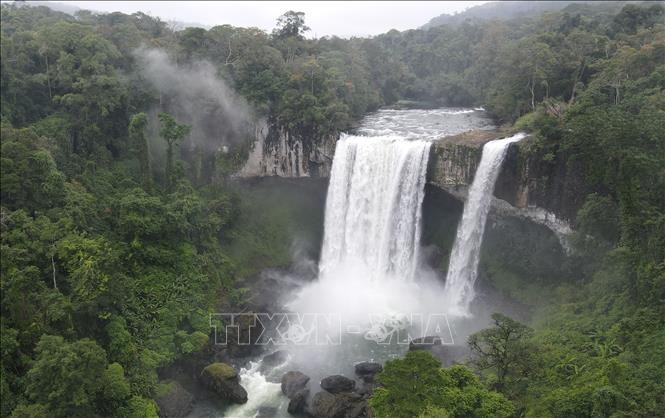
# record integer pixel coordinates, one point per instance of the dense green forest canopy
(117, 224)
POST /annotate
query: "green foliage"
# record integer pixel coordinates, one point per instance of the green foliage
(98, 246)
(73, 379)
(504, 352)
(291, 24)
(418, 386)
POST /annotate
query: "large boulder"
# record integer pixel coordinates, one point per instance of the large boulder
(338, 383)
(293, 382)
(340, 405)
(224, 381)
(298, 403)
(173, 400)
(367, 370)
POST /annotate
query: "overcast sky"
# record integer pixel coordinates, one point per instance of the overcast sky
(344, 19)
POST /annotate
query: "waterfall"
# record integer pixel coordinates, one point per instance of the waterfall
(463, 267)
(373, 209)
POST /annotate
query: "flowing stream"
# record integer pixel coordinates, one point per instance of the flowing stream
(463, 267)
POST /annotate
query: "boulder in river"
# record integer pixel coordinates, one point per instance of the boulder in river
(293, 382)
(224, 381)
(367, 370)
(338, 383)
(298, 403)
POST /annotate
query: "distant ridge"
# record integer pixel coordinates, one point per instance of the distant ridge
(506, 10)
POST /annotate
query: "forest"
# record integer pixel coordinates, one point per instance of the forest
(122, 229)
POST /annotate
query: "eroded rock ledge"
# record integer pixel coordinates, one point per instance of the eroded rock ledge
(546, 189)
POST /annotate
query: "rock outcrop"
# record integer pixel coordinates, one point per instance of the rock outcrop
(293, 382)
(224, 381)
(173, 400)
(337, 384)
(279, 152)
(544, 188)
(367, 370)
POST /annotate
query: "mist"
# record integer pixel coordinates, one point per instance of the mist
(197, 96)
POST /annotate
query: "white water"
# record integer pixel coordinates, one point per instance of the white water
(372, 232)
(463, 267)
(264, 394)
(373, 212)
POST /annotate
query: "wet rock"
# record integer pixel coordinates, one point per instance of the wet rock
(266, 412)
(276, 358)
(367, 370)
(298, 403)
(224, 381)
(338, 383)
(366, 389)
(340, 405)
(293, 382)
(173, 400)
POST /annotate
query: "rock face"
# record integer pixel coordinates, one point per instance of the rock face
(545, 189)
(337, 384)
(293, 382)
(298, 403)
(224, 381)
(278, 152)
(174, 401)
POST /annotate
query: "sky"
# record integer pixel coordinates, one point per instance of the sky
(344, 19)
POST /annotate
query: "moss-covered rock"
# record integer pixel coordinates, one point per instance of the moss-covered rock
(173, 400)
(224, 381)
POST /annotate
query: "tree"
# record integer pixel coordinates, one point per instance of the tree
(137, 127)
(291, 24)
(417, 386)
(74, 379)
(502, 349)
(172, 132)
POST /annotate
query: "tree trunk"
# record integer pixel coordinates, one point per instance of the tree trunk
(578, 76)
(533, 94)
(169, 164)
(48, 78)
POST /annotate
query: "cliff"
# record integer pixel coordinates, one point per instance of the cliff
(546, 189)
(278, 152)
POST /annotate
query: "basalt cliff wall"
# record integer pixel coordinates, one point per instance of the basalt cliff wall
(278, 152)
(535, 184)
(547, 190)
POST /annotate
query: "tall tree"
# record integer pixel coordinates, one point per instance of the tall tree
(291, 24)
(137, 136)
(502, 349)
(173, 133)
